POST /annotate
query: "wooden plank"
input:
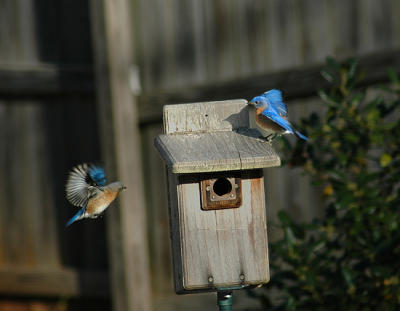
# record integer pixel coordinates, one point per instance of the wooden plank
(211, 142)
(296, 83)
(17, 31)
(40, 79)
(200, 42)
(315, 30)
(209, 116)
(28, 235)
(374, 25)
(284, 33)
(175, 231)
(51, 80)
(395, 23)
(128, 248)
(344, 35)
(223, 244)
(219, 247)
(53, 282)
(215, 152)
(251, 23)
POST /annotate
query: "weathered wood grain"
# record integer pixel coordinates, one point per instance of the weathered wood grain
(215, 248)
(205, 117)
(243, 39)
(127, 230)
(38, 80)
(215, 152)
(175, 230)
(42, 135)
(212, 137)
(28, 234)
(295, 82)
(53, 282)
(229, 246)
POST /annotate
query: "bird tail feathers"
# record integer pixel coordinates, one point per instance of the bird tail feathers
(76, 217)
(298, 134)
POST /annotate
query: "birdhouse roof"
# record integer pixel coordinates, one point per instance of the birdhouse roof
(214, 152)
(212, 137)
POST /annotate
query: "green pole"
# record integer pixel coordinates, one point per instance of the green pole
(225, 300)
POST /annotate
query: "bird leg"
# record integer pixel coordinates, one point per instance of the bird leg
(270, 137)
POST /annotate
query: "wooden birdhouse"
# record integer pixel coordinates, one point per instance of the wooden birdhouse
(216, 195)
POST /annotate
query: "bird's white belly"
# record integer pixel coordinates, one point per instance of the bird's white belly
(101, 208)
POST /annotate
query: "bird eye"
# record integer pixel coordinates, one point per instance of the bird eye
(256, 102)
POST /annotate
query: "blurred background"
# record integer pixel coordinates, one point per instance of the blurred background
(86, 81)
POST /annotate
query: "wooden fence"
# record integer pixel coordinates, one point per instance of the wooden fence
(51, 63)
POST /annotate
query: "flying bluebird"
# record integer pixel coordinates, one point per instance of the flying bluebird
(269, 115)
(86, 187)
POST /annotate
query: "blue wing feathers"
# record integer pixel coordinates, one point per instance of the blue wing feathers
(274, 116)
(98, 175)
(274, 95)
(276, 111)
(275, 99)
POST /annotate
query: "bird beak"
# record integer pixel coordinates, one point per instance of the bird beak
(250, 103)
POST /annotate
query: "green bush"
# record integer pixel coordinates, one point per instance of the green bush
(349, 260)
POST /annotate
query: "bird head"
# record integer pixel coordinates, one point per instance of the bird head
(259, 101)
(116, 186)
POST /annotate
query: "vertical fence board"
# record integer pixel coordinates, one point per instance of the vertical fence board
(127, 230)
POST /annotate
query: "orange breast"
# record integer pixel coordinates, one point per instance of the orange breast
(101, 202)
(266, 123)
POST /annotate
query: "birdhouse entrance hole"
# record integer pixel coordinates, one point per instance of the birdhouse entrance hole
(221, 192)
(222, 186)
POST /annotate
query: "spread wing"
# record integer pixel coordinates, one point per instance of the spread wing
(274, 116)
(275, 99)
(81, 185)
(97, 174)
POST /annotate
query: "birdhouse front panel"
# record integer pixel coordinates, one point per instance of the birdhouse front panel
(216, 195)
(219, 247)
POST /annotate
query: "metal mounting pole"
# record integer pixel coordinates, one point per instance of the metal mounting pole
(225, 300)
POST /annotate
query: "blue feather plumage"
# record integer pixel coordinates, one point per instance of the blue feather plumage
(275, 99)
(275, 110)
(274, 116)
(76, 216)
(98, 175)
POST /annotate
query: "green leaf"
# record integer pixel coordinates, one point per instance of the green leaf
(357, 99)
(327, 76)
(352, 68)
(325, 97)
(348, 276)
(385, 159)
(393, 76)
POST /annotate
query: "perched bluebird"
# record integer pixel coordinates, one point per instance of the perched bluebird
(269, 115)
(86, 187)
